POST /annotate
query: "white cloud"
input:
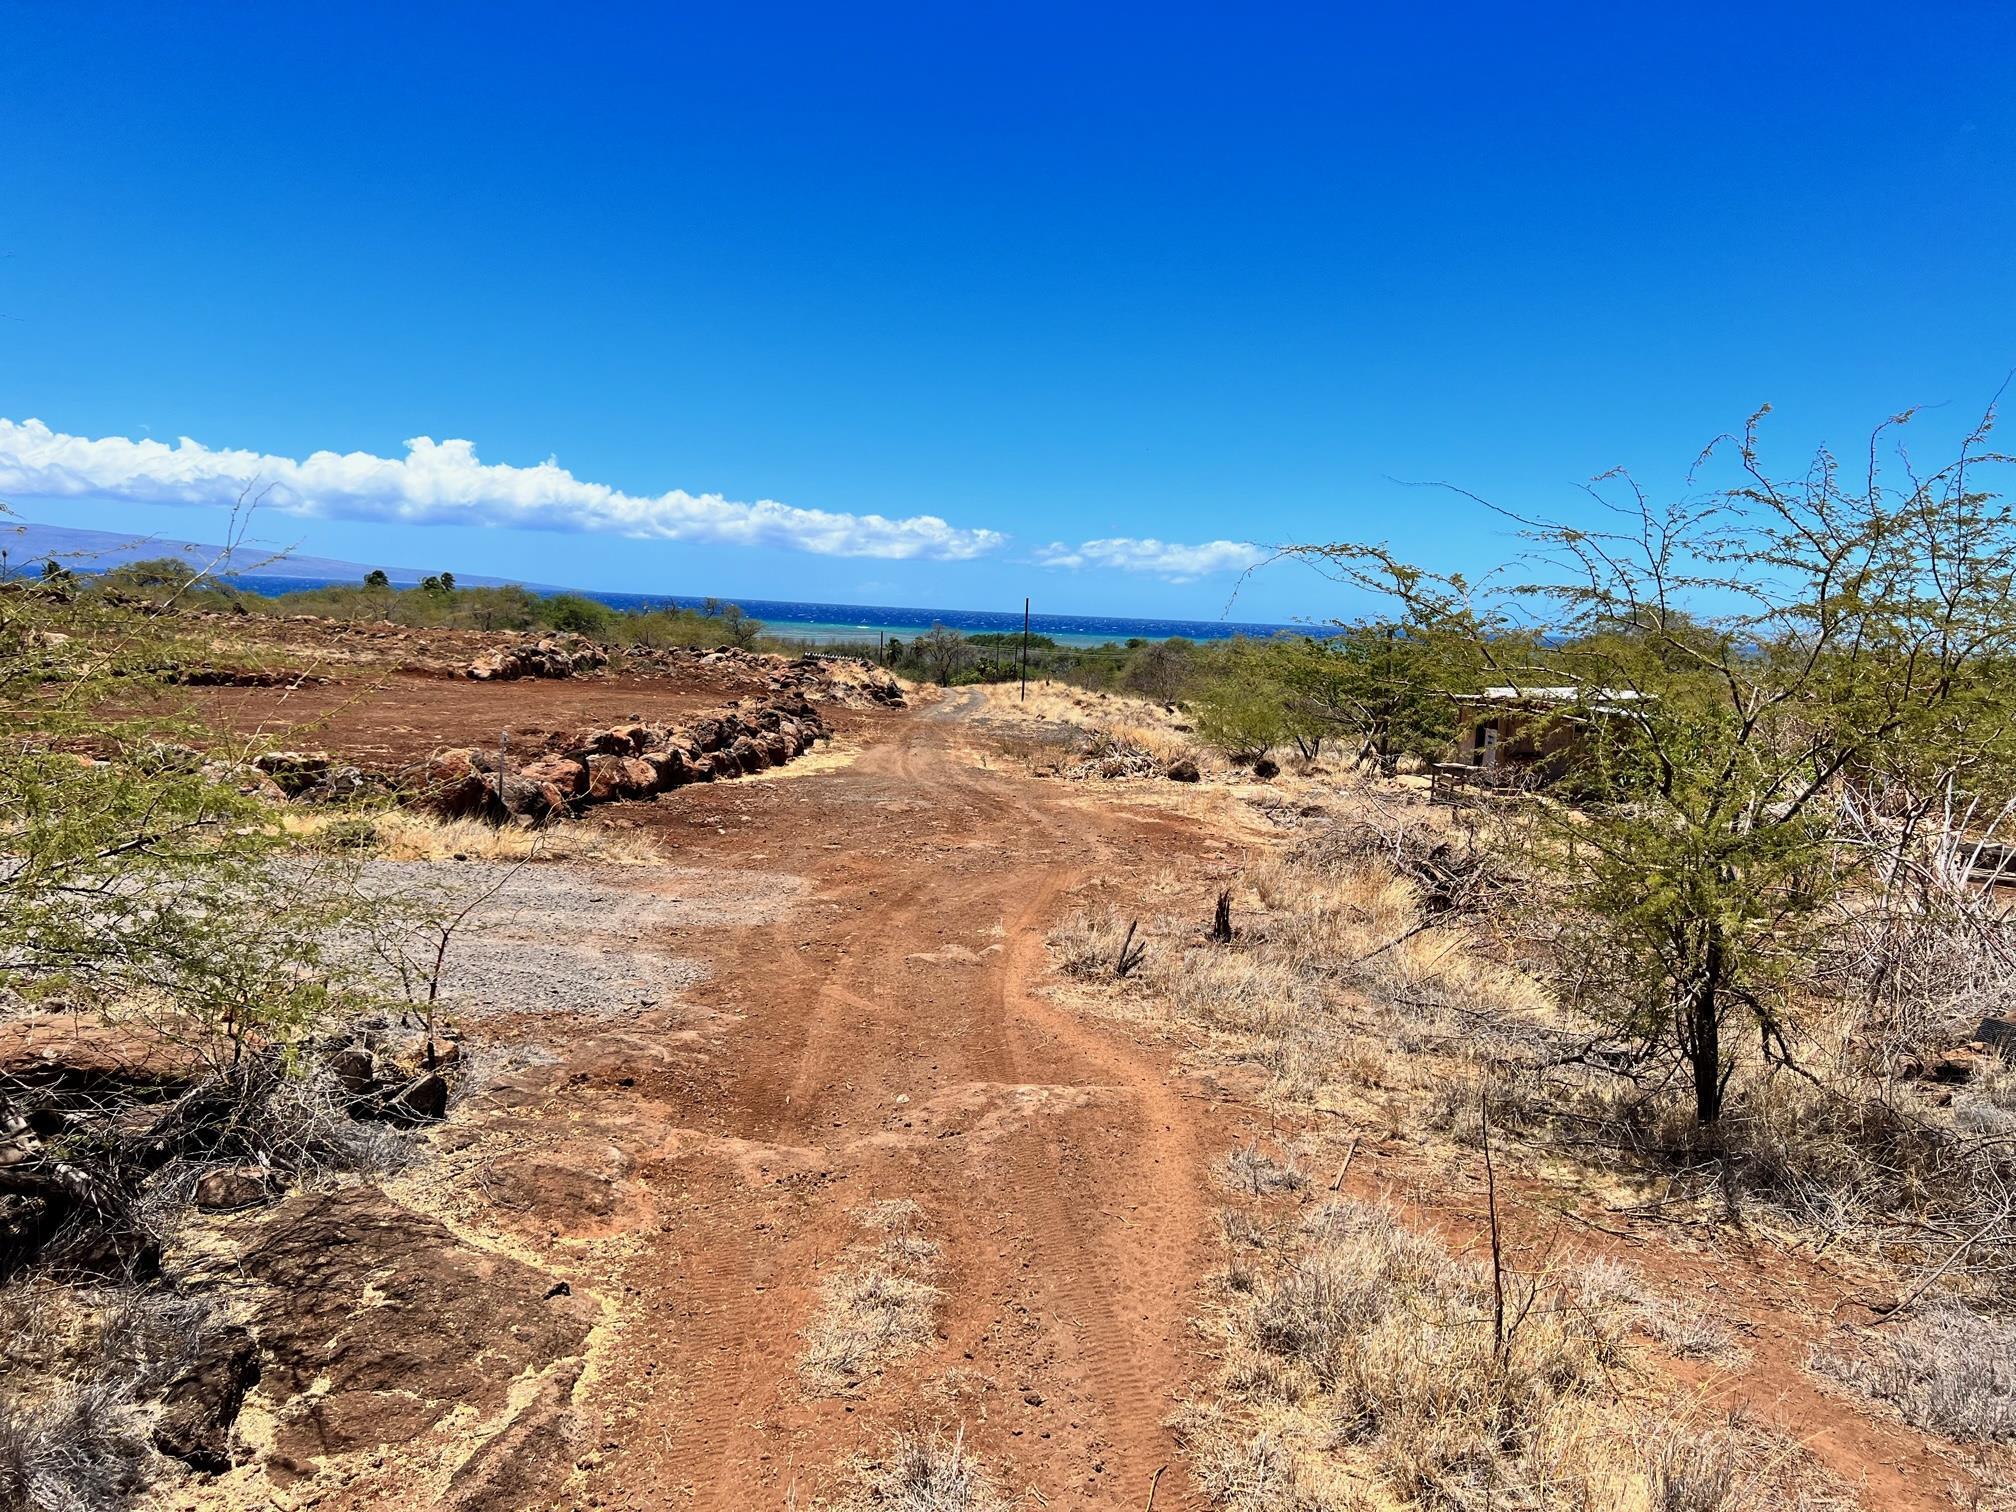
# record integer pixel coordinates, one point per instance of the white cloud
(1170, 559)
(443, 483)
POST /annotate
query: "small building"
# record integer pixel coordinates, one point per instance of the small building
(1514, 735)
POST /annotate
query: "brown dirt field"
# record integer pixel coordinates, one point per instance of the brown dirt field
(888, 1031)
(388, 718)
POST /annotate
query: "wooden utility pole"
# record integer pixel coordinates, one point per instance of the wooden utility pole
(1025, 650)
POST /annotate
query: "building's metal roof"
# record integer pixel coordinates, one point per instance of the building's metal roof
(1560, 695)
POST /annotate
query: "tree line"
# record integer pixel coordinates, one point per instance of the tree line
(436, 602)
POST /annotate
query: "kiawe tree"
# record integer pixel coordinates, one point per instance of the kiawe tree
(1746, 668)
(943, 652)
(140, 881)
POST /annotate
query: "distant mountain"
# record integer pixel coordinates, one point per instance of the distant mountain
(28, 544)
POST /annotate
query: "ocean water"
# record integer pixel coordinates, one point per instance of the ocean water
(864, 622)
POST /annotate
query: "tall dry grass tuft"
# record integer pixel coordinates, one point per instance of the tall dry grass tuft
(1341, 976)
(924, 1472)
(1106, 721)
(1362, 1357)
(1089, 942)
(1946, 1370)
(877, 1306)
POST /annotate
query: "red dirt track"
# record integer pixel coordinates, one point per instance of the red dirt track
(1061, 1171)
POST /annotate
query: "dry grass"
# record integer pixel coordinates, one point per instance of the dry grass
(1088, 942)
(79, 1452)
(407, 835)
(923, 1472)
(82, 1367)
(1370, 976)
(1360, 1368)
(877, 1306)
(1107, 755)
(1610, 1288)
(1339, 983)
(1251, 1170)
(1117, 721)
(1946, 1370)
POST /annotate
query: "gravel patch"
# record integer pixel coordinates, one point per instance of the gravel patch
(554, 938)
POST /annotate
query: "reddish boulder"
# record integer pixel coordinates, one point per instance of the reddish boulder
(602, 743)
(567, 773)
(611, 777)
(671, 768)
(423, 1100)
(524, 798)
(451, 783)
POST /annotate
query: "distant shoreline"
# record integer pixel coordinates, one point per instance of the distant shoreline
(788, 619)
(95, 550)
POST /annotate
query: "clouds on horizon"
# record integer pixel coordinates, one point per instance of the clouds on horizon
(1168, 559)
(445, 483)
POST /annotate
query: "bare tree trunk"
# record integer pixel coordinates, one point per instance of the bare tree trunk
(1701, 1028)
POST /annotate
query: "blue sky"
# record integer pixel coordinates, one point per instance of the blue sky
(1046, 274)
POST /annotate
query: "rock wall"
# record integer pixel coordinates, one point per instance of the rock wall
(549, 656)
(601, 766)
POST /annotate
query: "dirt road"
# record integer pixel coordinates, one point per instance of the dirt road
(881, 1038)
(700, 1073)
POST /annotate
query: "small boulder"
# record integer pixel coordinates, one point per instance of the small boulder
(245, 777)
(451, 783)
(1998, 1035)
(236, 1187)
(1955, 1066)
(1182, 770)
(524, 798)
(201, 1402)
(340, 782)
(670, 766)
(605, 777)
(294, 772)
(422, 1100)
(355, 1069)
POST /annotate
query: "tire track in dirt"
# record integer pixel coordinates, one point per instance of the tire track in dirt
(1062, 1177)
